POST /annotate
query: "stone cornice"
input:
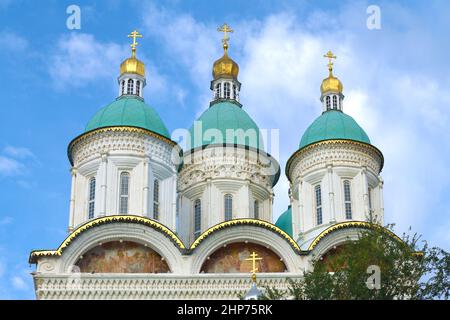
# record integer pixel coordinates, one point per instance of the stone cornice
(363, 153)
(85, 137)
(153, 286)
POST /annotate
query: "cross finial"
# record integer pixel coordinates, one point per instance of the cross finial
(134, 34)
(225, 29)
(253, 258)
(330, 56)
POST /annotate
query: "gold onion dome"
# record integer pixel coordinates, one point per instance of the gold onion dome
(331, 83)
(225, 67)
(132, 64)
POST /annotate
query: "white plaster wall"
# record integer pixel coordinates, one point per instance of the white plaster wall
(108, 153)
(329, 166)
(212, 173)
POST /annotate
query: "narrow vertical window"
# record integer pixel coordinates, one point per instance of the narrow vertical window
(138, 87)
(218, 87)
(228, 206)
(369, 193)
(318, 194)
(256, 209)
(197, 218)
(234, 92)
(226, 89)
(130, 86)
(334, 102)
(328, 102)
(123, 86)
(124, 192)
(347, 200)
(91, 203)
(156, 199)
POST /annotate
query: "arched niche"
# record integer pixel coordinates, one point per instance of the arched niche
(122, 257)
(232, 259)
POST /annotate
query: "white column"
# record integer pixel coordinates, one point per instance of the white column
(331, 193)
(246, 203)
(207, 214)
(146, 188)
(295, 211)
(380, 187)
(365, 187)
(301, 210)
(270, 217)
(73, 172)
(103, 172)
(173, 207)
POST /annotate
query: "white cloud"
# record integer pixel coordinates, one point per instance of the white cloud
(10, 167)
(18, 283)
(18, 152)
(16, 161)
(6, 220)
(80, 59)
(12, 41)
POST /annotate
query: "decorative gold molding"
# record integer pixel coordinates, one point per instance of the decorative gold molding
(104, 220)
(350, 224)
(254, 222)
(88, 134)
(330, 142)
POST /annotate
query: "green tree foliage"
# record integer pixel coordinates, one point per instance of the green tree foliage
(409, 269)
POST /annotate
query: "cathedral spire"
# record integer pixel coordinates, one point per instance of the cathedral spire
(331, 88)
(225, 85)
(132, 72)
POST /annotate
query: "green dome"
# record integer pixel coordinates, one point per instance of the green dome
(284, 222)
(223, 116)
(333, 125)
(128, 112)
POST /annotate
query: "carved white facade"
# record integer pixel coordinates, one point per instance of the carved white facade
(329, 165)
(105, 155)
(209, 174)
(130, 186)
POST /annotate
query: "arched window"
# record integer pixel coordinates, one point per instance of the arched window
(256, 209)
(228, 207)
(218, 89)
(226, 90)
(328, 102)
(123, 86)
(334, 102)
(138, 87)
(197, 217)
(318, 194)
(130, 86)
(156, 199)
(347, 200)
(124, 192)
(91, 202)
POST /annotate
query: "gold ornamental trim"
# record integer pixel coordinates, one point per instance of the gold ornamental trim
(331, 142)
(91, 133)
(105, 220)
(240, 222)
(351, 224)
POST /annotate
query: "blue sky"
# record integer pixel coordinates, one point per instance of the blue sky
(54, 79)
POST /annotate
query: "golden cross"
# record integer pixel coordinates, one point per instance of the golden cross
(330, 56)
(135, 34)
(225, 29)
(253, 258)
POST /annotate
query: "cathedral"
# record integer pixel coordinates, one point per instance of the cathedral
(151, 220)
